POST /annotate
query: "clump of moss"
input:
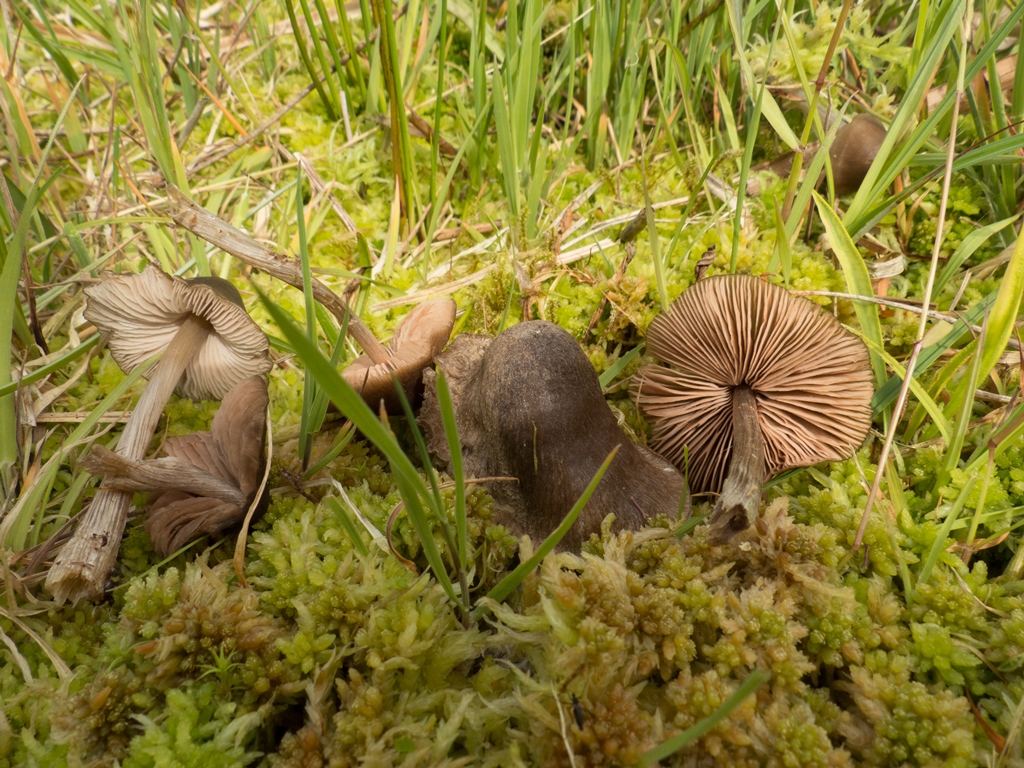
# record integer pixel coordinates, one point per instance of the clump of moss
(175, 631)
(197, 729)
(903, 722)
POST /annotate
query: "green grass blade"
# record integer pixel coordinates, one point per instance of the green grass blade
(504, 587)
(939, 545)
(345, 435)
(410, 484)
(55, 365)
(968, 246)
(31, 503)
(876, 181)
(782, 256)
(354, 534)
(614, 370)
(888, 392)
(857, 280)
(754, 680)
(401, 143)
(769, 106)
(918, 390)
(1004, 311)
(451, 433)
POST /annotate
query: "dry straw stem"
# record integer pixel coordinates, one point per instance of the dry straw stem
(940, 221)
(218, 232)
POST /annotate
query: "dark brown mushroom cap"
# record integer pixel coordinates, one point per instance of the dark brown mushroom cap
(853, 151)
(420, 336)
(812, 379)
(142, 313)
(531, 416)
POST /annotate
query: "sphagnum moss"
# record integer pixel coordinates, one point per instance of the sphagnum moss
(647, 634)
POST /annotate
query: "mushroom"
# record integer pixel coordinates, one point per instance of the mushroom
(529, 407)
(420, 336)
(208, 480)
(760, 381)
(853, 151)
(209, 344)
(426, 327)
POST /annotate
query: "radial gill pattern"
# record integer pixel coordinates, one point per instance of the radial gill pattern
(811, 377)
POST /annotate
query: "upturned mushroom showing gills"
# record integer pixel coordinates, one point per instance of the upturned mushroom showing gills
(208, 480)
(529, 407)
(420, 336)
(757, 381)
(208, 344)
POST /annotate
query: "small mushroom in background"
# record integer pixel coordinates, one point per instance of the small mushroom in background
(208, 480)
(529, 406)
(853, 151)
(759, 381)
(420, 336)
(209, 344)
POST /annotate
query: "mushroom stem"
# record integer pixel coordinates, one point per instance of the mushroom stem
(741, 493)
(81, 568)
(215, 230)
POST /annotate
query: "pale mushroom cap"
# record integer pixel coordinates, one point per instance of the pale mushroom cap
(420, 336)
(811, 377)
(142, 313)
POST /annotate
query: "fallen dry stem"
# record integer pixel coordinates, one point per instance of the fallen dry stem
(229, 239)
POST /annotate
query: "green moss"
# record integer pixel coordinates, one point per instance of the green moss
(194, 731)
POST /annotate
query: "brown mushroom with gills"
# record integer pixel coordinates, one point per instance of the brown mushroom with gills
(758, 381)
(420, 336)
(208, 480)
(208, 343)
(529, 407)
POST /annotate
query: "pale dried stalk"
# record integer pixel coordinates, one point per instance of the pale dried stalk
(218, 232)
(81, 569)
(741, 492)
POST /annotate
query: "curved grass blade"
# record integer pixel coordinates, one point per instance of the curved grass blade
(754, 680)
(857, 279)
(504, 587)
(410, 484)
(451, 433)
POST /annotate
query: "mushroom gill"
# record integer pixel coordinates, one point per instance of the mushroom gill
(757, 381)
(208, 480)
